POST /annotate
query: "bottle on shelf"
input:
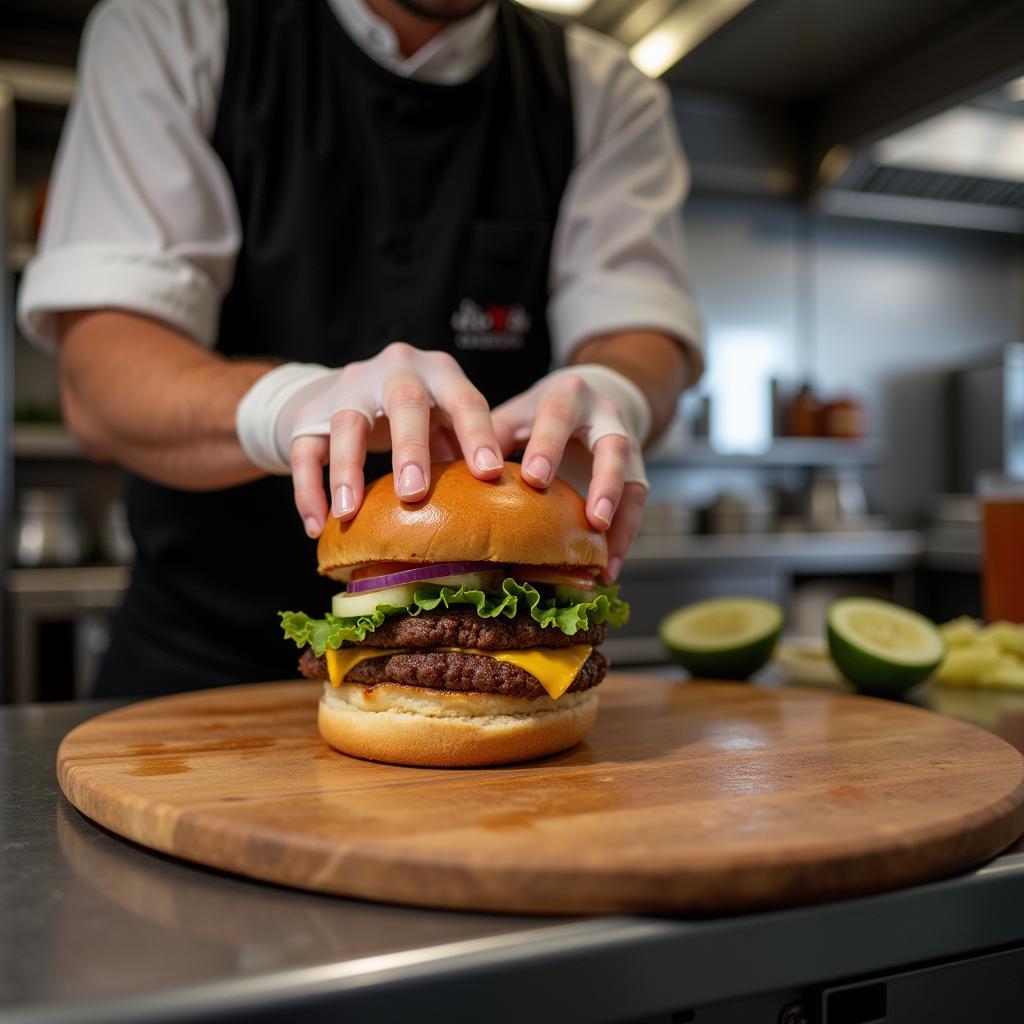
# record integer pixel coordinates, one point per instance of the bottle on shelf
(805, 414)
(844, 417)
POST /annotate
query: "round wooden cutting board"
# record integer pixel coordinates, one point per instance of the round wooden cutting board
(686, 797)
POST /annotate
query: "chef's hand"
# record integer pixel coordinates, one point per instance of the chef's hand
(586, 424)
(300, 417)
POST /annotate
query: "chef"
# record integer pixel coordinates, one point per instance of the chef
(284, 234)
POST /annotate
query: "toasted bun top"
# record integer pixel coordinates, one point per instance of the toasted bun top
(463, 519)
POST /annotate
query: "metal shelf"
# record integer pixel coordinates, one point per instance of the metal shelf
(783, 452)
(48, 84)
(842, 551)
(82, 582)
(44, 441)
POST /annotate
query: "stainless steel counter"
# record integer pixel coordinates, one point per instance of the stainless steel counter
(857, 551)
(94, 929)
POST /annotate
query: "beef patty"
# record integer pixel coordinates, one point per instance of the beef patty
(454, 670)
(464, 628)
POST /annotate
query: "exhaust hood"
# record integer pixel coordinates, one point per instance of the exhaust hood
(908, 111)
(961, 168)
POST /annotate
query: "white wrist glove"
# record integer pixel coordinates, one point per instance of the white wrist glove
(601, 402)
(271, 400)
(425, 396)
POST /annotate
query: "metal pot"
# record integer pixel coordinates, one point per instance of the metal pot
(48, 528)
(752, 512)
(837, 501)
(116, 538)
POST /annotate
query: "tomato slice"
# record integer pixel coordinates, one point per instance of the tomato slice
(553, 575)
(382, 569)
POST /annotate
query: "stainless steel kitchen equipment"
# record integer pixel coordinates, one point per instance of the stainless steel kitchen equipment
(48, 529)
(115, 537)
(84, 597)
(836, 500)
(6, 344)
(117, 933)
(986, 421)
(668, 518)
(750, 512)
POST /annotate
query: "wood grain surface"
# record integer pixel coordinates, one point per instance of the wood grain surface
(698, 797)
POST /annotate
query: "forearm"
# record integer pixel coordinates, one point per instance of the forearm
(655, 362)
(136, 392)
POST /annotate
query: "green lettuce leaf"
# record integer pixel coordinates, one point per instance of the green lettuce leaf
(332, 630)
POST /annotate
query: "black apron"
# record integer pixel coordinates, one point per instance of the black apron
(373, 208)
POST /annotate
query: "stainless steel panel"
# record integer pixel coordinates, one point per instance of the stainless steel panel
(986, 429)
(95, 930)
(1013, 409)
(985, 988)
(6, 358)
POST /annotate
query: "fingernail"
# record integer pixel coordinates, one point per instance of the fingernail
(344, 501)
(540, 469)
(603, 511)
(485, 460)
(411, 484)
(614, 565)
(312, 526)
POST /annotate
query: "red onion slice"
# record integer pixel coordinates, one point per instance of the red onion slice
(421, 572)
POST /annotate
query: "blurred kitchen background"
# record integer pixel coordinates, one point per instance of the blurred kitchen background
(856, 233)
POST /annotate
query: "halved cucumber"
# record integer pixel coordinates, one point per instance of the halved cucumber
(724, 637)
(880, 647)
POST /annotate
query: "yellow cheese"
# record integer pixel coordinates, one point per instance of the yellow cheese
(553, 667)
(340, 663)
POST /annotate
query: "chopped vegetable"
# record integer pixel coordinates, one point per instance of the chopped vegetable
(960, 631)
(991, 657)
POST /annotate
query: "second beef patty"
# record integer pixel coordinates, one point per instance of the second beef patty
(454, 670)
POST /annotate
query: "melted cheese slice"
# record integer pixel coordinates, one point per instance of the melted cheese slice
(340, 663)
(553, 667)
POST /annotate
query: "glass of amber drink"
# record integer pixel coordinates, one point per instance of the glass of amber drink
(1002, 508)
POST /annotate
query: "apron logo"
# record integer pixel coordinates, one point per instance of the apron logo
(491, 328)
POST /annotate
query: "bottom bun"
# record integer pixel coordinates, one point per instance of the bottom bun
(434, 729)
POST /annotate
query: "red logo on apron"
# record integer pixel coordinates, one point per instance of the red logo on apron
(494, 327)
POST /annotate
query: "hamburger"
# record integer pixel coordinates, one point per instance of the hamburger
(468, 628)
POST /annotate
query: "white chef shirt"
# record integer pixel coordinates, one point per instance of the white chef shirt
(141, 214)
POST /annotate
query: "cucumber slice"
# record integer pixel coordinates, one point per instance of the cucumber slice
(346, 605)
(724, 637)
(880, 647)
(365, 602)
(808, 661)
(565, 594)
(469, 580)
